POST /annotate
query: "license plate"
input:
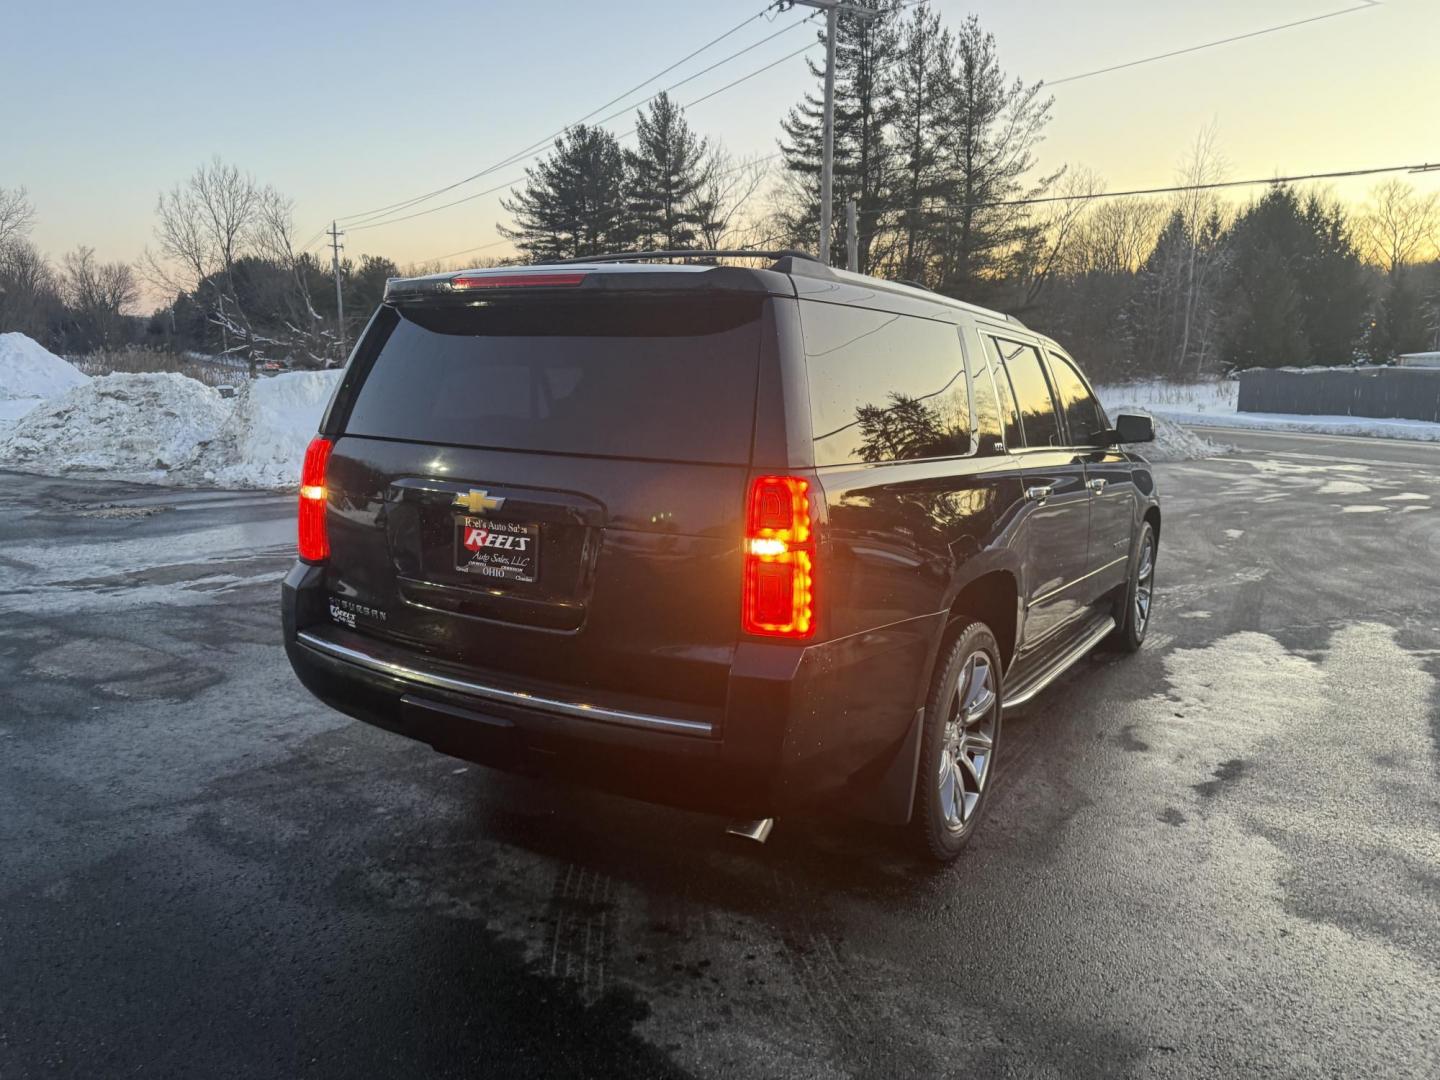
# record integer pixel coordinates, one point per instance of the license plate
(501, 550)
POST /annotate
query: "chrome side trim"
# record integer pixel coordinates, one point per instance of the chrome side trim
(505, 697)
(1063, 664)
(1083, 577)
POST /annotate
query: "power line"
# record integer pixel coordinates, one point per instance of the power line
(943, 211)
(465, 251)
(748, 163)
(365, 219)
(1364, 5)
(437, 209)
(712, 67)
(520, 155)
(1036, 200)
(622, 135)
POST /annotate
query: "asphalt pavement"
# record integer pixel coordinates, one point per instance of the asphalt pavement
(1219, 857)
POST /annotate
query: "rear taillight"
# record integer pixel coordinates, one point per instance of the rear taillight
(779, 559)
(314, 544)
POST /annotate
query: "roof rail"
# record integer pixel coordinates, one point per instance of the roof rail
(911, 282)
(687, 253)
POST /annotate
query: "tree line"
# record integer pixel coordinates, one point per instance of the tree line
(939, 146)
(81, 305)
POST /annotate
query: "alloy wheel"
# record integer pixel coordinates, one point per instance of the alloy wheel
(969, 740)
(1144, 584)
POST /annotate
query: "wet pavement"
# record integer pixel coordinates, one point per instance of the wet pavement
(1218, 857)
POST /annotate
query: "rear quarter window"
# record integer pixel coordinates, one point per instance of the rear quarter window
(1039, 417)
(665, 378)
(1083, 414)
(884, 387)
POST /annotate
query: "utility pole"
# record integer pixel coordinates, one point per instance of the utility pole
(833, 9)
(335, 247)
(852, 238)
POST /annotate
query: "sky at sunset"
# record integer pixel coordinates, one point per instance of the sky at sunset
(347, 107)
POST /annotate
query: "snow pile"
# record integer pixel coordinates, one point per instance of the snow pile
(30, 373)
(29, 370)
(1172, 442)
(133, 427)
(262, 444)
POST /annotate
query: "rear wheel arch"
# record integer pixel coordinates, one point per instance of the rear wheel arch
(991, 598)
(1152, 515)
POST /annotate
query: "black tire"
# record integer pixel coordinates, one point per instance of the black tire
(1131, 625)
(944, 824)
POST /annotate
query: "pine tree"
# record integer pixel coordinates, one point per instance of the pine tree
(1265, 324)
(993, 128)
(864, 54)
(1332, 282)
(666, 171)
(573, 201)
(1287, 256)
(919, 93)
(1399, 320)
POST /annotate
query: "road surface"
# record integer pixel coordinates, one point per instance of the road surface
(1218, 857)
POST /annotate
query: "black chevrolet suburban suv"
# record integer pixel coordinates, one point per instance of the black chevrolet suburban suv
(739, 540)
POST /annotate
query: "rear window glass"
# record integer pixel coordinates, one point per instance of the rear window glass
(884, 387)
(671, 378)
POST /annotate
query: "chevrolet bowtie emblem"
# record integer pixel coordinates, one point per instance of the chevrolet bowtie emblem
(476, 500)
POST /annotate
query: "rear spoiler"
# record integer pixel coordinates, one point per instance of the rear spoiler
(514, 282)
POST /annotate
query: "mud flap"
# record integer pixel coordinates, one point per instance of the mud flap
(890, 800)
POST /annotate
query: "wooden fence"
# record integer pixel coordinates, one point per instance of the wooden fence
(1392, 393)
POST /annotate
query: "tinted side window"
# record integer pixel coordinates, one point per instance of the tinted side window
(1039, 417)
(1083, 415)
(884, 387)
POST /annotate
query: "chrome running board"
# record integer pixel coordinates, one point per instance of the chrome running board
(1064, 663)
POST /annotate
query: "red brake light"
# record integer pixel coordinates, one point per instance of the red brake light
(314, 543)
(779, 583)
(514, 281)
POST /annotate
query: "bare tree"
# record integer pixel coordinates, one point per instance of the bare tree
(98, 294)
(1115, 236)
(722, 204)
(1398, 225)
(29, 294)
(1197, 207)
(203, 227)
(272, 236)
(17, 215)
(1049, 245)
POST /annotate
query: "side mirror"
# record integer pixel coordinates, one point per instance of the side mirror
(1134, 428)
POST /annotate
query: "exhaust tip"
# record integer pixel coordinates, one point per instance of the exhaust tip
(757, 830)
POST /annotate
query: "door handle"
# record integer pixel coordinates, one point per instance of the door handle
(1097, 486)
(1039, 493)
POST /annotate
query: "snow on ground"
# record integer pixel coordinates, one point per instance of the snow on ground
(1213, 404)
(30, 373)
(262, 443)
(1175, 443)
(1172, 442)
(170, 429)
